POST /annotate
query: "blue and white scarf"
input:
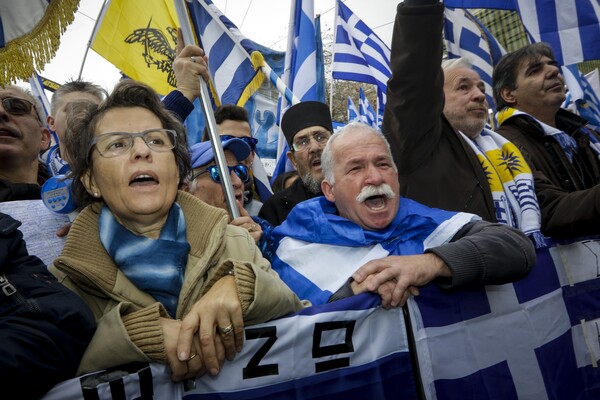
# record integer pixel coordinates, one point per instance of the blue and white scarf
(155, 266)
(511, 183)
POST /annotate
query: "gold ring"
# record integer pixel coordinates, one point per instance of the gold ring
(193, 59)
(192, 357)
(227, 330)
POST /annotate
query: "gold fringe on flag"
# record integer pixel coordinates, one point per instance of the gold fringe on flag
(21, 57)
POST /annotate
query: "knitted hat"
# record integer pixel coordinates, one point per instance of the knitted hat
(304, 115)
(202, 153)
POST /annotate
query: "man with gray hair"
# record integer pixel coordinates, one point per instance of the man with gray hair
(435, 121)
(23, 136)
(362, 228)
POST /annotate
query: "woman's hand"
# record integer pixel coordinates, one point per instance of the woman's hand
(216, 322)
(193, 366)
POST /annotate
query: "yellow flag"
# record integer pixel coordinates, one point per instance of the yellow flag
(140, 37)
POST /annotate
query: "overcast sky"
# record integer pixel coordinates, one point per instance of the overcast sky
(248, 15)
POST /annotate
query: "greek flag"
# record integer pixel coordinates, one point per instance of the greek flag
(234, 77)
(352, 112)
(304, 71)
(570, 27)
(537, 338)
(466, 37)
(359, 54)
(367, 114)
(581, 95)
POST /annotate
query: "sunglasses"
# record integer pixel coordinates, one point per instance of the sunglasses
(213, 171)
(17, 106)
(250, 141)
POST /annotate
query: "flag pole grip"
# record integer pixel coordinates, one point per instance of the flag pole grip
(209, 117)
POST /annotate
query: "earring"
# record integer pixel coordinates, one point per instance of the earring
(96, 194)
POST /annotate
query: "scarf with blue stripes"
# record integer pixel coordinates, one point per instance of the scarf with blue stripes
(155, 266)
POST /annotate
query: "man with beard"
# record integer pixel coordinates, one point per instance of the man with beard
(389, 245)
(307, 127)
(560, 147)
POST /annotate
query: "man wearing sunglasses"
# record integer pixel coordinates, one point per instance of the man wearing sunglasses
(307, 127)
(23, 136)
(205, 181)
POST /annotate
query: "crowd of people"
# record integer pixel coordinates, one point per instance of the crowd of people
(156, 268)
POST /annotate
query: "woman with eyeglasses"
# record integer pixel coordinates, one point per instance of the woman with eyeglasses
(159, 268)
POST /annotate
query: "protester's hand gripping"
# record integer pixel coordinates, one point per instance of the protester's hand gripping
(216, 322)
(405, 272)
(190, 63)
(246, 222)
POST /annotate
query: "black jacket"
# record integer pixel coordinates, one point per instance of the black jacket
(436, 166)
(44, 327)
(568, 193)
(278, 206)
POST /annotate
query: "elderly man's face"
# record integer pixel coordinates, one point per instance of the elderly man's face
(465, 107)
(211, 192)
(366, 188)
(308, 146)
(22, 136)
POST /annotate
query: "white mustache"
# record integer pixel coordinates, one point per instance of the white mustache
(370, 191)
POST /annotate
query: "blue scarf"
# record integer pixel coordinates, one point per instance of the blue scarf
(154, 266)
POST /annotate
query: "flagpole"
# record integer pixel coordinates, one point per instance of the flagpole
(89, 44)
(209, 117)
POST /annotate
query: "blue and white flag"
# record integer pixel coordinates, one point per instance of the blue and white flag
(350, 349)
(581, 95)
(466, 37)
(353, 115)
(570, 27)
(359, 54)
(234, 77)
(537, 338)
(367, 114)
(304, 70)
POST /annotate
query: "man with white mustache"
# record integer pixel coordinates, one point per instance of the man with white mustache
(363, 230)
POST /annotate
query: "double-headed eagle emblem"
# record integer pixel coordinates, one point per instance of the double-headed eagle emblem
(158, 52)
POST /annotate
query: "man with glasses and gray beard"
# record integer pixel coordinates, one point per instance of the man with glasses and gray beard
(363, 230)
(23, 136)
(307, 127)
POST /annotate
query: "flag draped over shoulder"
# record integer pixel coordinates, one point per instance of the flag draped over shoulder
(139, 37)
(30, 35)
(359, 54)
(234, 75)
(570, 27)
(466, 37)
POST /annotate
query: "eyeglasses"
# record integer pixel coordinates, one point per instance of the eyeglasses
(213, 171)
(250, 141)
(301, 144)
(17, 106)
(115, 144)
